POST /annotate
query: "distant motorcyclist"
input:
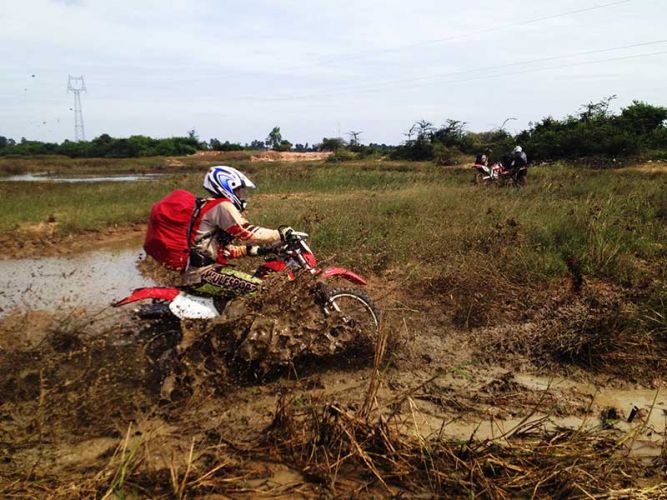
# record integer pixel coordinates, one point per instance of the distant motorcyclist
(218, 223)
(482, 157)
(517, 164)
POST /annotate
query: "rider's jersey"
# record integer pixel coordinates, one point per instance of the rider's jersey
(518, 160)
(212, 234)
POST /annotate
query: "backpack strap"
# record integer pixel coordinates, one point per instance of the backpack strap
(202, 205)
(199, 203)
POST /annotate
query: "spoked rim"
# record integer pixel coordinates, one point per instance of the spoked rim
(357, 316)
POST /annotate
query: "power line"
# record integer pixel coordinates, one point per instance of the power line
(363, 54)
(370, 86)
(599, 61)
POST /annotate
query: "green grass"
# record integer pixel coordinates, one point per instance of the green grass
(77, 207)
(61, 165)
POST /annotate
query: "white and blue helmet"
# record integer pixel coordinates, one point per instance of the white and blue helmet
(222, 182)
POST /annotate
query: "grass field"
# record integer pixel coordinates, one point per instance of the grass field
(61, 165)
(382, 215)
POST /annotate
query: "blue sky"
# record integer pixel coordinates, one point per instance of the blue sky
(234, 69)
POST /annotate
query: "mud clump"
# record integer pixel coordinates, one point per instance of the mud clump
(74, 377)
(23, 330)
(281, 325)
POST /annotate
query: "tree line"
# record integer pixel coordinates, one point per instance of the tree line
(594, 131)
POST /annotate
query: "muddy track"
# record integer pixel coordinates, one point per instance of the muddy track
(253, 413)
(80, 397)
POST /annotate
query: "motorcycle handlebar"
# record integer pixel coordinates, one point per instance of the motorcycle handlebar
(295, 235)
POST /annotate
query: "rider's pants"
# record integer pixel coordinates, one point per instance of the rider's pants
(225, 281)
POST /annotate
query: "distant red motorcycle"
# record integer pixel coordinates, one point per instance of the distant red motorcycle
(496, 173)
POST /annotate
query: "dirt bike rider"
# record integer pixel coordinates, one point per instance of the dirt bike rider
(517, 163)
(219, 222)
(482, 158)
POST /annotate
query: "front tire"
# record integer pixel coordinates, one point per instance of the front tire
(357, 317)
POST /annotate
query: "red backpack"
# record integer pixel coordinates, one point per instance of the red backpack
(168, 226)
(172, 221)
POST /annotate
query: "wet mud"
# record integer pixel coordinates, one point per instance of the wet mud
(266, 400)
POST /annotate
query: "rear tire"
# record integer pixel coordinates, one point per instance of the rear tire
(163, 336)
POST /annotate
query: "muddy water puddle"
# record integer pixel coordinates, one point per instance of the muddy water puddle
(625, 405)
(639, 413)
(90, 280)
(45, 177)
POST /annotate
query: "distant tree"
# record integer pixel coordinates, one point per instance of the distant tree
(424, 130)
(274, 139)
(596, 110)
(642, 118)
(4, 142)
(284, 145)
(331, 144)
(230, 146)
(257, 144)
(452, 133)
(419, 148)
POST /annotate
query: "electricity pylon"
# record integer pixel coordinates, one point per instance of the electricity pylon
(76, 85)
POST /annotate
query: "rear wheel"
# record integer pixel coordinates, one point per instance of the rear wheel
(163, 335)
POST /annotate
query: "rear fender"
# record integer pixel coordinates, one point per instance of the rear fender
(162, 293)
(341, 272)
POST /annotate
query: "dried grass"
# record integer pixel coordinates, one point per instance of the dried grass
(345, 450)
(329, 441)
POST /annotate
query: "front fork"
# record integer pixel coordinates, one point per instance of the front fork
(322, 298)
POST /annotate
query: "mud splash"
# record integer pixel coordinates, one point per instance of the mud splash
(283, 327)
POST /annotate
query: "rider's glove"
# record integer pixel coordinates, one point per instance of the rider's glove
(286, 233)
(252, 250)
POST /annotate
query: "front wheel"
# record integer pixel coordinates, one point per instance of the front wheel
(354, 314)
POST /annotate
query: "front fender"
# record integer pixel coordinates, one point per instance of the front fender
(341, 272)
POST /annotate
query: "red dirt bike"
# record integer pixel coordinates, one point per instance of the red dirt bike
(496, 173)
(351, 305)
